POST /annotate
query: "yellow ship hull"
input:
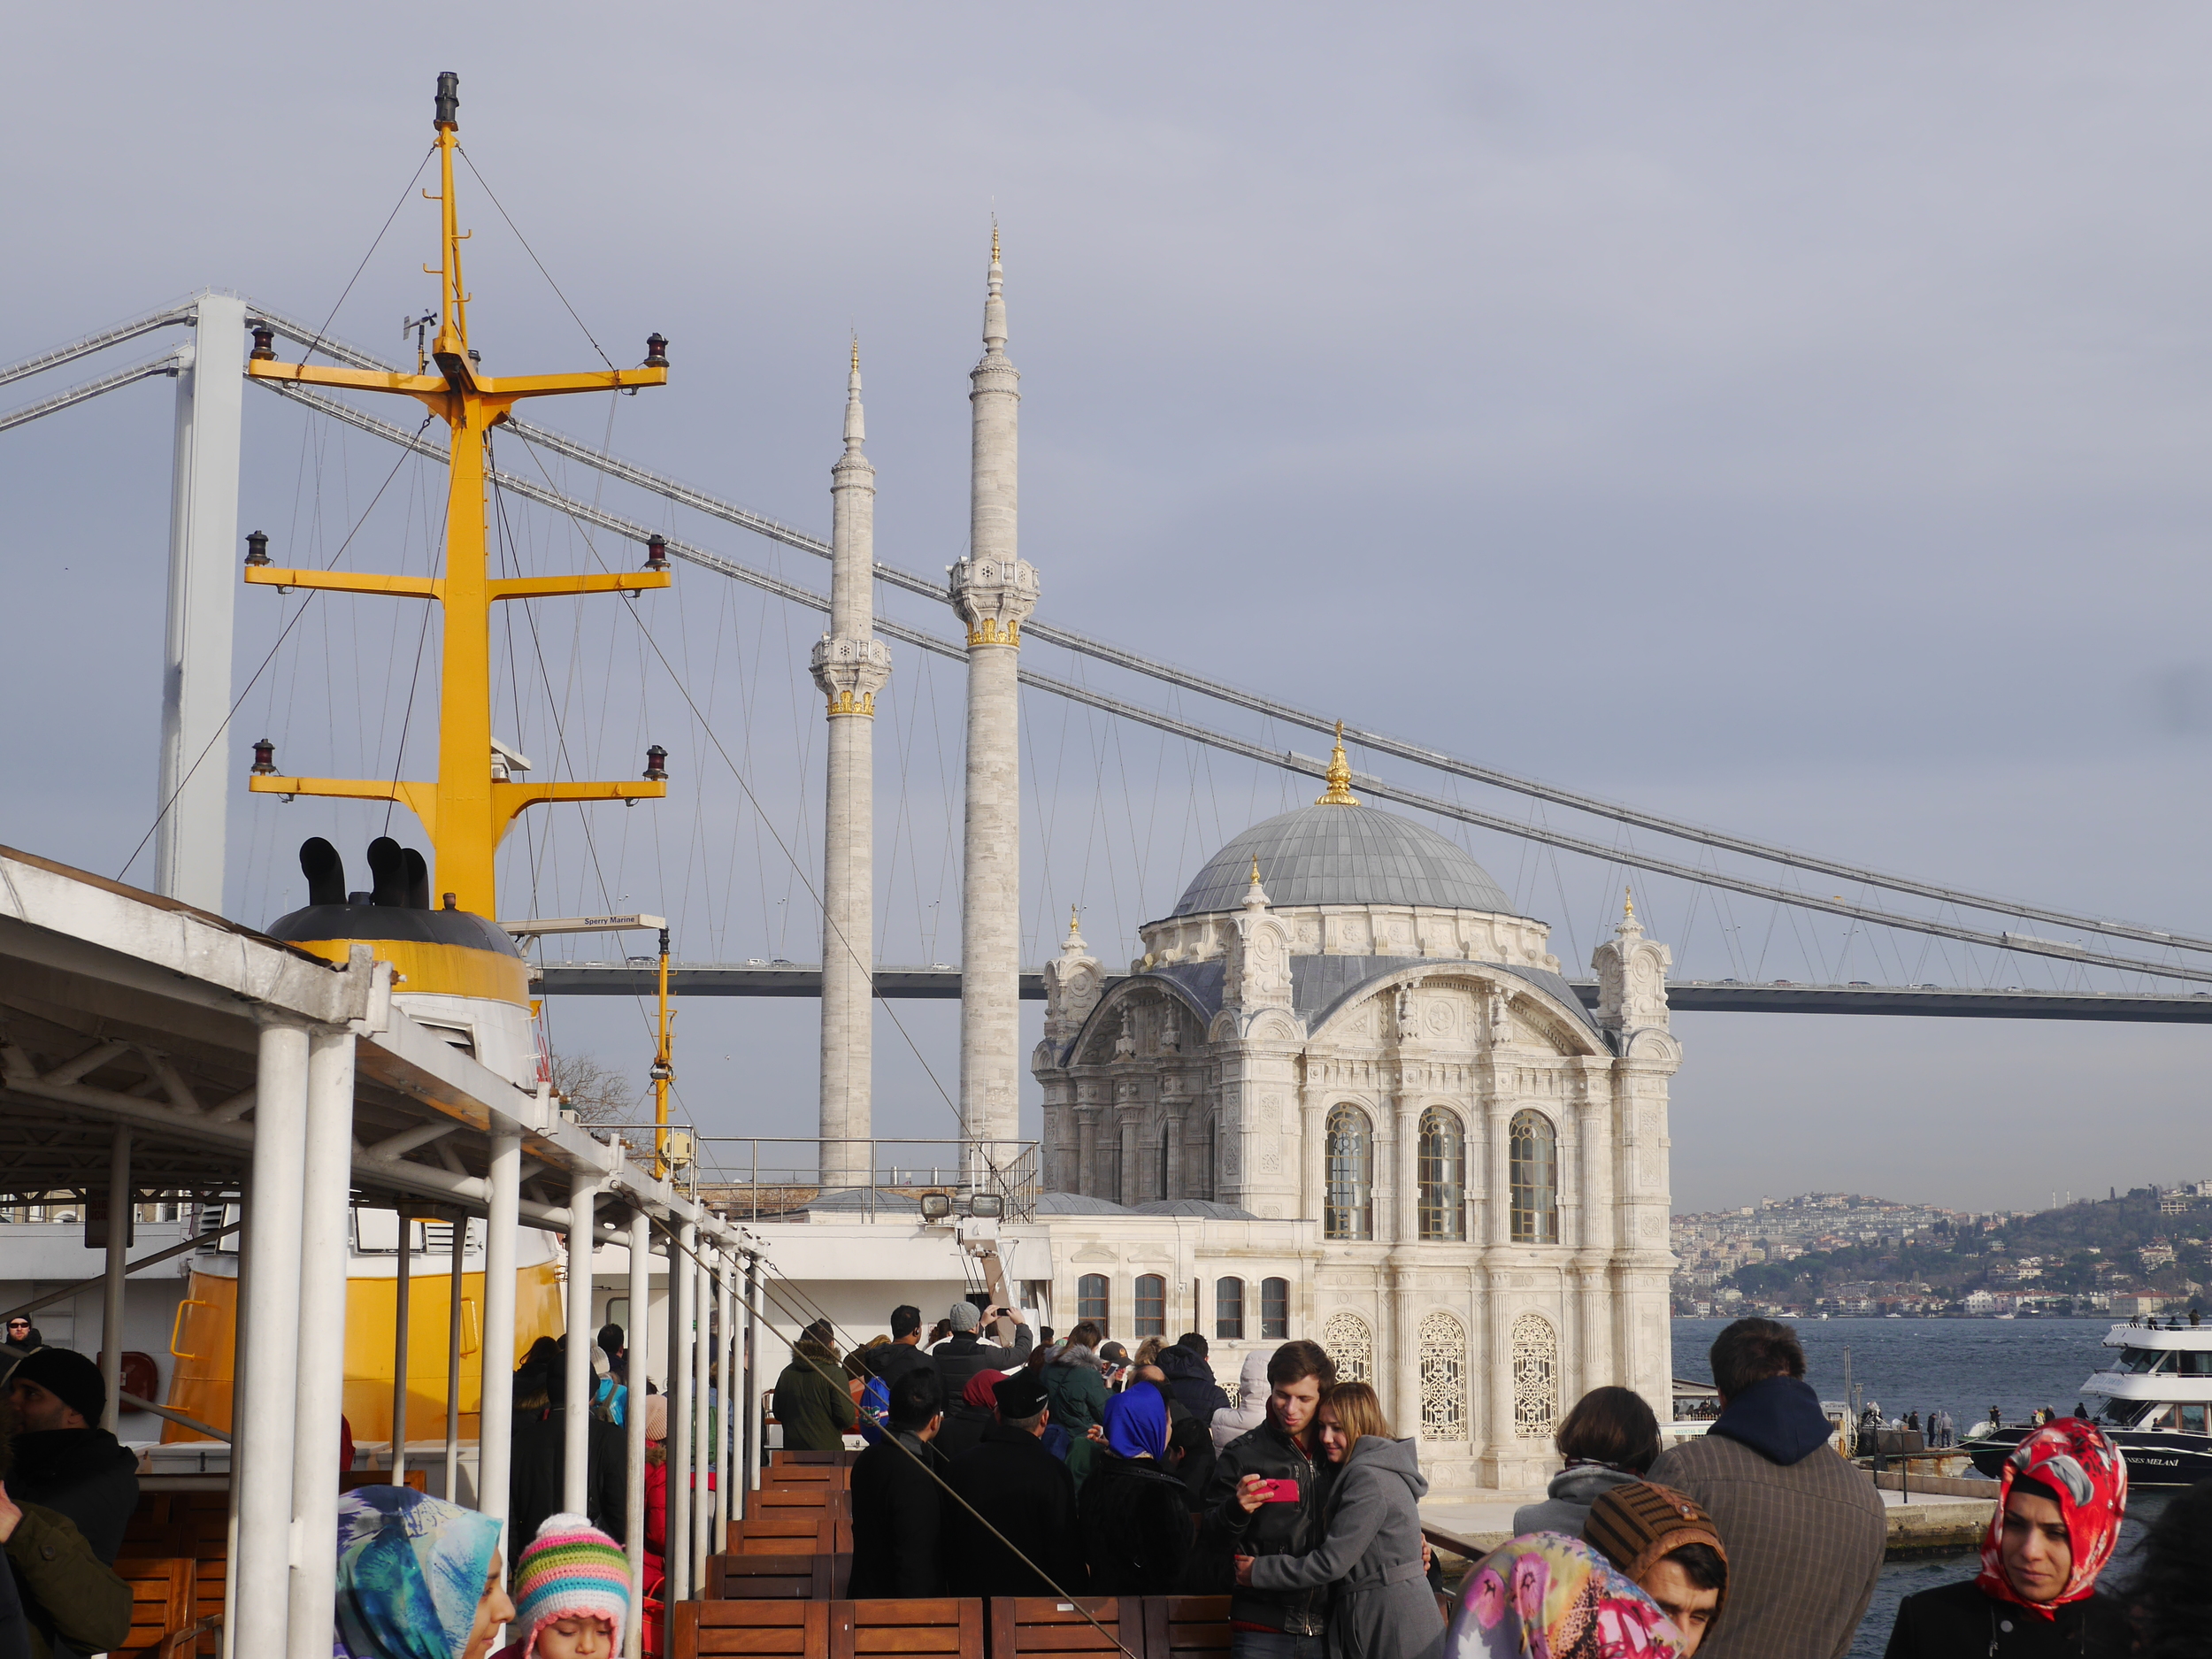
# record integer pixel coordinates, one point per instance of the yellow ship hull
(204, 1342)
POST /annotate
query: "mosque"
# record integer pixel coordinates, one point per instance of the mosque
(1345, 1093)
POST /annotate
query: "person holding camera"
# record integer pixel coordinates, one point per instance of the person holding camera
(1267, 1498)
(964, 1353)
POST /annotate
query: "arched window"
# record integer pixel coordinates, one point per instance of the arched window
(1443, 1176)
(1535, 1377)
(1350, 1347)
(1229, 1309)
(1535, 1173)
(1349, 1212)
(1090, 1301)
(1151, 1306)
(1274, 1310)
(1443, 1378)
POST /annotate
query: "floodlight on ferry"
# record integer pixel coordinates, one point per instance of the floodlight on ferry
(989, 1206)
(936, 1206)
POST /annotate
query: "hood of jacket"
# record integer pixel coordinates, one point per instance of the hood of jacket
(1587, 1483)
(1180, 1365)
(48, 1460)
(1075, 1354)
(1252, 1385)
(1779, 1418)
(1372, 1454)
(808, 1349)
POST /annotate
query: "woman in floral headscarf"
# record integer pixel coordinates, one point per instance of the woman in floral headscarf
(1548, 1596)
(2060, 1502)
(418, 1577)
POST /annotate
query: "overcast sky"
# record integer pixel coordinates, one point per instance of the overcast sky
(1788, 420)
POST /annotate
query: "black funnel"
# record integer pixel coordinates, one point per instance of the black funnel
(324, 869)
(387, 863)
(418, 880)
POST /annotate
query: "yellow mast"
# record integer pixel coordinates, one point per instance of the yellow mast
(463, 812)
(664, 1073)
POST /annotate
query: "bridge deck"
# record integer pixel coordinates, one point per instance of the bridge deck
(1704, 996)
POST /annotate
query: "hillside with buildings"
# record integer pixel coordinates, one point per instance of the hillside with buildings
(2145, 1251)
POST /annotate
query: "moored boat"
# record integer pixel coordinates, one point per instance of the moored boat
(2153, 1400)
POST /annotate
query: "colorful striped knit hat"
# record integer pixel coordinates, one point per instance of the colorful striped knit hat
(571, 1570)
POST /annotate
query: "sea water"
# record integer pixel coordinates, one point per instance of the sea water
(1962, 1366)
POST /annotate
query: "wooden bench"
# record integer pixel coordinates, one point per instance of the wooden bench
(789, 1533)
(760, 1630)
(817, 1576)
(841, 1458)
(948, 1625)
(165, 1618)
(837, 1477)
(824, 1502)
(195, 1526)
(1022, 1624)
(1184, 1626)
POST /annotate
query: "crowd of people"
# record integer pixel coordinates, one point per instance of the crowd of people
(1756, 1538)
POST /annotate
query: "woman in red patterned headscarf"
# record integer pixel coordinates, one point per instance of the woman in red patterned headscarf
(2059, 1502)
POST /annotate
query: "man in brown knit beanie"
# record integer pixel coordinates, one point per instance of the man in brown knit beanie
(1665, 1542)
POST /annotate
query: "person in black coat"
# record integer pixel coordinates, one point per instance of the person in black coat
(898, 1490)
(1136, 1517)
(1192, 1379)
(966, 1353)
(904, 1351)
(1025, 1496)
(64, 1461)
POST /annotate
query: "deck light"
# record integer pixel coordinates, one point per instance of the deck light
(656, 552)
(257, 548)
(656, 763)
(263, 342)
(263, 758)
(989, 1206)
(936, 1206)
(655, 350)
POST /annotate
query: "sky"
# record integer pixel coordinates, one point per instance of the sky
(1784, 420)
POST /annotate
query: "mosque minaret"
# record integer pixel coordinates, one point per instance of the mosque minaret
(993, 589)
(850, 665)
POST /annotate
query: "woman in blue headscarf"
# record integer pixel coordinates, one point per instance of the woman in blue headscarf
(1136, 1524)
(418, 1577)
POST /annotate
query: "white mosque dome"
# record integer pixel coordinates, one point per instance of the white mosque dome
(1334, 854)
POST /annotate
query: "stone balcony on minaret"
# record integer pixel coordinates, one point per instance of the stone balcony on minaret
(850, 672)
(994, 597)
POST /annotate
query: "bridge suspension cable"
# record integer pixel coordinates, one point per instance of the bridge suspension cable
(99, 340)
(1401, 749)
(1304, 764)
(169, 362)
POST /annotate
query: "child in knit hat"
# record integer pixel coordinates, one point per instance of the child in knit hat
(571, 1593)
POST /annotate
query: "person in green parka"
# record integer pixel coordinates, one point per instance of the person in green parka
(812, 1401)
(1076, 1390)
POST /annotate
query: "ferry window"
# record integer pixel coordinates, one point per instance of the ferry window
(1090, 1301)
(2192, 1420)
(1151, 1305)
(2196, 1363)
(1443, 1176)
(1349, 1211)
(1535, 1179)
(1229, 1309)
(1274, 1310)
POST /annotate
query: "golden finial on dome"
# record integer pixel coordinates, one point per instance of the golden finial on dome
(994, 239)
(1071, 911)
(1628, 903)
(1340, 775)
(1255, 870)
(855, 354)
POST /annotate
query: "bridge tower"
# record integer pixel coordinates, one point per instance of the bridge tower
(850, 665)
(993, 589)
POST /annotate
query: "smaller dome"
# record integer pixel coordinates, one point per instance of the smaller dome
(1327, 854)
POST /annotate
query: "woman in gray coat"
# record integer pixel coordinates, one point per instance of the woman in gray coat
(1382, 1607)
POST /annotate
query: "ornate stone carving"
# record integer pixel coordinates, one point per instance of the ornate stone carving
(1443, 1378)
(850, 672)
(1348, 1341)
(1073, 984)
(1535, 1349)
(1632, 978)
(994, 597)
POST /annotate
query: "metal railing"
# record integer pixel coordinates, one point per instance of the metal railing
(766, 1178)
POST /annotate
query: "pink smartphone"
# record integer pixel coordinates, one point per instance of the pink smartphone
(1278, 1492)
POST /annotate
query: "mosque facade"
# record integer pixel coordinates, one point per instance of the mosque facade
(1383, 1119)
(1344, 1094)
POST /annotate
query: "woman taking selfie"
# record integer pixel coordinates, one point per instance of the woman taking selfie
(1371, 1553)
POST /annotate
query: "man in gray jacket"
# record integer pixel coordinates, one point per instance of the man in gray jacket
(1803, 1527)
